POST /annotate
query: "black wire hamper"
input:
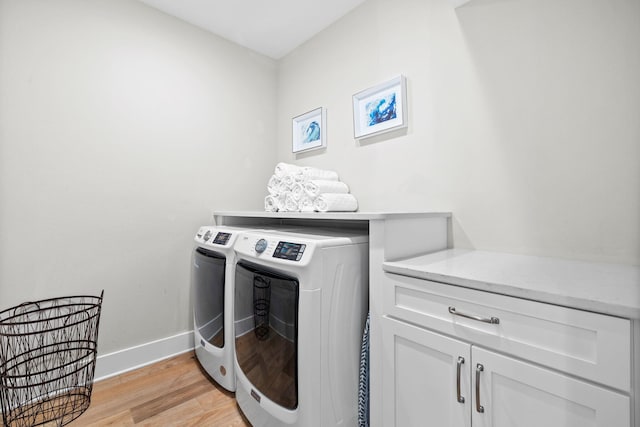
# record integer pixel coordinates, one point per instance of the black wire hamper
(261, 306)
(48, 354)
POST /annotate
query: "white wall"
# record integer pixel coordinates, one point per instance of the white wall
(121, 129)
(523, 118)
(118, 123)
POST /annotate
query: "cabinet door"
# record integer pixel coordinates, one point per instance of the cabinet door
(420, 375)
(518, 394)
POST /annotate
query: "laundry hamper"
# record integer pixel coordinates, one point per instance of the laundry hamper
(47, 360)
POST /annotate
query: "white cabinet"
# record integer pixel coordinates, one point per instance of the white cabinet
(515, 393)
(535, 365)
(420, 377)
(429, 376)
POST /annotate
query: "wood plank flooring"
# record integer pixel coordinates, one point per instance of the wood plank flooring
(174, 392)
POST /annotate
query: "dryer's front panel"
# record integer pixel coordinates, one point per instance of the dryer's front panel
(266, 332)
(208, 281)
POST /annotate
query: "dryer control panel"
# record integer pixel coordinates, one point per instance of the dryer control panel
(214, 237)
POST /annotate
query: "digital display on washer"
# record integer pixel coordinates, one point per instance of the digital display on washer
(221, 238)
(290, 251)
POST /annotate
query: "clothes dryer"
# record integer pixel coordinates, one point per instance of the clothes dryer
(212, 279)
(300, 306)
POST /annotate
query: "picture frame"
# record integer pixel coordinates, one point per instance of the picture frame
(309, 131)
(381, 108)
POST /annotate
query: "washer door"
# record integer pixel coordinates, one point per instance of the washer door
(266, 331)
(208, 280)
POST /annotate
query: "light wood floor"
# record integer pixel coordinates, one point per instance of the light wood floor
(174, 392)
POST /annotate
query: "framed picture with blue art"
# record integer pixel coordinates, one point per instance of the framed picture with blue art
(381, 108)
(309, 131)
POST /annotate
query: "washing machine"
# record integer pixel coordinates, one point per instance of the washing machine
(212, 293)
(301, 299)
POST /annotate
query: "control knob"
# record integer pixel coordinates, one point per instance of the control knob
(261, 246)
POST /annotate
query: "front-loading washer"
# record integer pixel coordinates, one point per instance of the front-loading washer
(299, 310)
(212, 279)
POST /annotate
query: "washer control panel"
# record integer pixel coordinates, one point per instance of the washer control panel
(278, 249)
(290, 251)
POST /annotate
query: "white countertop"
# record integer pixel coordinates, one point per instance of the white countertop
(361, 216)
(603, 288)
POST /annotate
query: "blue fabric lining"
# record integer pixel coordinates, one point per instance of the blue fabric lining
(363, 390)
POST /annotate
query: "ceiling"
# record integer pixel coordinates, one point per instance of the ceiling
(273, 28)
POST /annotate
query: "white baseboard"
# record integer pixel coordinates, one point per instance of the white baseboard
(118, 362)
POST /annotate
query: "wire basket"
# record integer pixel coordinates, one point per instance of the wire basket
(261, 306)
(47, 360)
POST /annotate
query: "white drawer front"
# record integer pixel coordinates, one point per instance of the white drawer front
(590, 345)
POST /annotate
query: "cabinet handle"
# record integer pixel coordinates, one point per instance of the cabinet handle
(492, 320)
(460, 363)
(479, 407)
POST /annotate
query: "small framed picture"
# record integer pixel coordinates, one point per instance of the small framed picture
(309, 131)
(381, 108)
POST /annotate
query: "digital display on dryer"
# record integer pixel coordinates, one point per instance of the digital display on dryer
(290, 251)
(221, 238)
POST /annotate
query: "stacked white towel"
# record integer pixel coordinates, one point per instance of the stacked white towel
(306, 189)
(274, 203)
(316, 187)
(335, 202)
(270, 204)
(306, 204)
(303, 173)
(297, 190)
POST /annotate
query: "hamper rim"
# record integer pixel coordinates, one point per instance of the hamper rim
(90, 316)
(87, 305)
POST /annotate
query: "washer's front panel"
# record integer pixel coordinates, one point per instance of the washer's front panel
(266, 332)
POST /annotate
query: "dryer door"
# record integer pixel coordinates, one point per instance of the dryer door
(266, 331)
(207, 278)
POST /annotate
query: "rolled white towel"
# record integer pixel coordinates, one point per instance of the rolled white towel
(271, 203)
(286, 168)
(304, 173)
(297, 190)
(310, 173)
(333, 202)
(305, 204)
(290, 203)
(282, 198)
(286, 182)
(274, 185)
(299, 177)
(274, 203)
(316, 187)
